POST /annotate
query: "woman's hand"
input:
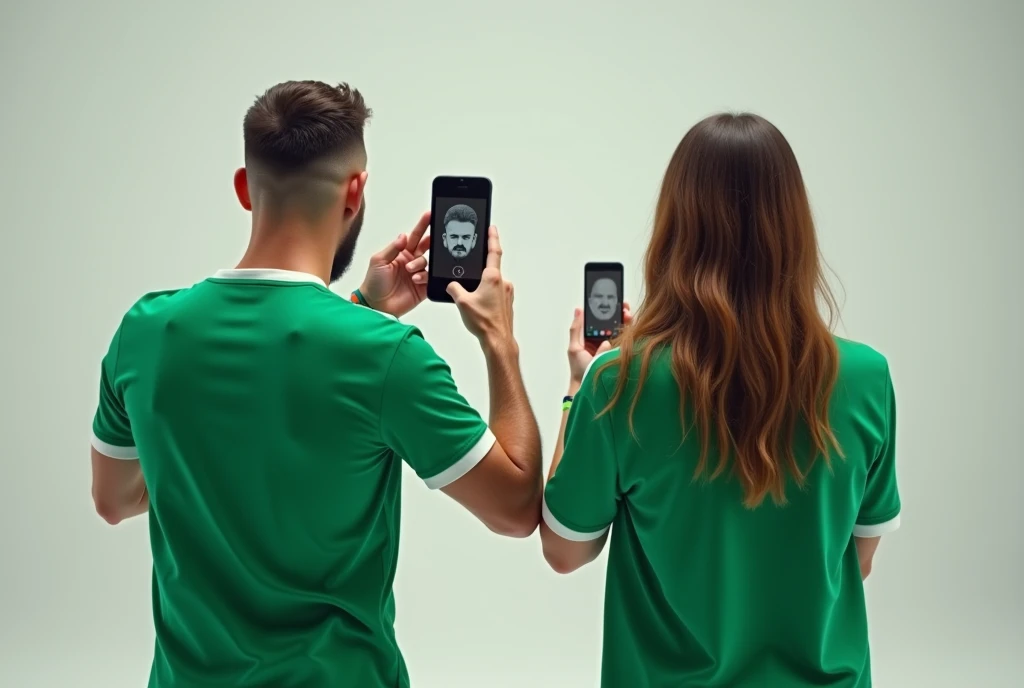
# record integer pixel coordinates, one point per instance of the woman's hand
(581, 352)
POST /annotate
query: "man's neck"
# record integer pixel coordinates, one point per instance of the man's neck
(288, 248)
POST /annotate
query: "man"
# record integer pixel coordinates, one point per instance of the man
(261, 421)
(460, 231)
(604, 299)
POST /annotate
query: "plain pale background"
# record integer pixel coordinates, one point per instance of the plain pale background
(121, 128)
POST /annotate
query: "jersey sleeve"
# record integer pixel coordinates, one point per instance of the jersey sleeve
(426, 421)
(582, 497)
(880, 509)
(111, 429)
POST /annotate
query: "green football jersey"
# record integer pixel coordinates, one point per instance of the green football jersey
(702, 591)
(271, 418)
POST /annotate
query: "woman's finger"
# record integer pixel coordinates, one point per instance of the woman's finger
(576, 329)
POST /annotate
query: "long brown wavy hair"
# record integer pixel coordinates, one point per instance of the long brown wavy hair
(734, 284)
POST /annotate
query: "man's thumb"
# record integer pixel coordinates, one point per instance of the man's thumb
(605, 347)
(456, 291)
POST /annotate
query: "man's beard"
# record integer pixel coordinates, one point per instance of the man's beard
(347, 247)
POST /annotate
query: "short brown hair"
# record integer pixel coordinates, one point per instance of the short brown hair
(296, 123)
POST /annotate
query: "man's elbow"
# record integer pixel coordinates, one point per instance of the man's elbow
(521, 521)
(519, 525)
(108, 507)
(108, 511)
(865, 569)
(518, 530)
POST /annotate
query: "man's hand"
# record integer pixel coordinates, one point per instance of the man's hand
(396, 281)
(581, 352)
(487, 312)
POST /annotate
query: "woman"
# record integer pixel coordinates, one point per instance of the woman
(741, 455)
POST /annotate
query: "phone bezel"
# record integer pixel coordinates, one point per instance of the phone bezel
(456, 187)
(603, 267)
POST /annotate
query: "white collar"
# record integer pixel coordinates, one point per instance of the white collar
(268, 274)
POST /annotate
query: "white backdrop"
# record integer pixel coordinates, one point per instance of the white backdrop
(120, 127)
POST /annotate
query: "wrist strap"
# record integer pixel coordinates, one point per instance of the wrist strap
(566, 403)
(358, 298)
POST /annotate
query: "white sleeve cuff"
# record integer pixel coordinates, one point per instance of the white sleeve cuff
(113, 451)
(878, 529)
(565, 532)
(463, 465)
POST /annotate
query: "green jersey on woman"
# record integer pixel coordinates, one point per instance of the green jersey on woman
(702, 591)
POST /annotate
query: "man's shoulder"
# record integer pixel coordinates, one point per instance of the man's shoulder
(334, 322)
(154, 303)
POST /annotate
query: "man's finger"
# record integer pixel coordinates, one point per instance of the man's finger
(416, 235)
(493, 248)
(423, 247)
(417, 264)
(511, 303)
(391, 251)
(627, 314)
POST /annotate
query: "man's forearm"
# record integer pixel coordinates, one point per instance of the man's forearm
(511, 419)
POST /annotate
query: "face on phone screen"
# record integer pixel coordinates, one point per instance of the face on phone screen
(603, 310)
(458, 242)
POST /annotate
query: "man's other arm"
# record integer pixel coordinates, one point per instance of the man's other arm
(118, 488)
(504, 490)
(493, 469)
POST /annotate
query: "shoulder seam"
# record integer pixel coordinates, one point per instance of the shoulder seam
(117, 347)
(888, 391)
(409, 330)
(593, 371)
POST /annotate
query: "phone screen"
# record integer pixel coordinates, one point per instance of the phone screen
(602, 310)
(460, 218)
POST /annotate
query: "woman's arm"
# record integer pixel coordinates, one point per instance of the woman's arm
(564, 549)
(565, 556)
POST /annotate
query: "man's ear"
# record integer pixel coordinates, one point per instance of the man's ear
(242, 188)
(354, 193)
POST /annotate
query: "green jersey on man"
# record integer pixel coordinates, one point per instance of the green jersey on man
(702, 591)
(271, 418)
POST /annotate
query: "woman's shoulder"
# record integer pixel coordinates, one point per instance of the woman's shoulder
(863, 370)
(859, 358)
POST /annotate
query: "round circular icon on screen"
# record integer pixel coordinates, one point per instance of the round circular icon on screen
(458, 271)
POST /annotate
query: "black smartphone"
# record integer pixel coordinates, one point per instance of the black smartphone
(603, 305)
(460, 216)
